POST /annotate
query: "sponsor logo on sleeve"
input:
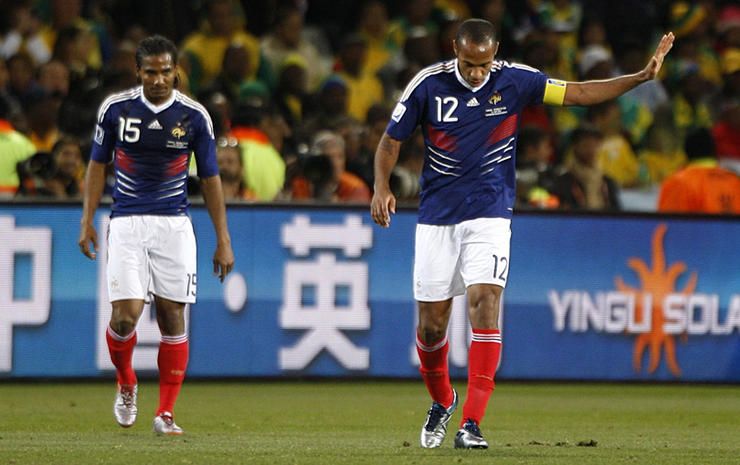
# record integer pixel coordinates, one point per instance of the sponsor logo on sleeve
(99, 134)
(398, 112)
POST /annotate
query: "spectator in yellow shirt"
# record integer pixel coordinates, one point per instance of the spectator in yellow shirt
(205, 48)
(14, 148)
(364, 88)
(615, 155)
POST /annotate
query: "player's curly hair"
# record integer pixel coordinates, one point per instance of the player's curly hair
(155, 45)
(477, 31)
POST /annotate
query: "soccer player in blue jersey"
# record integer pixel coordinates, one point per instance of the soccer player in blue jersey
(149, 133)
(469, 110)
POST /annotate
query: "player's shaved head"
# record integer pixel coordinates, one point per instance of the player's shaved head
(477, 31)
(155, 45)
(475, 48)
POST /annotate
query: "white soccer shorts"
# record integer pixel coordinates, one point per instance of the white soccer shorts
(449, 258)
(150, 254)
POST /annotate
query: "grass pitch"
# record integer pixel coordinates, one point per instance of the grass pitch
(359, 422)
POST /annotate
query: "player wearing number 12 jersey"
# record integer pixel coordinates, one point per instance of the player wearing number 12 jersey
(468, 109)
(149, 134)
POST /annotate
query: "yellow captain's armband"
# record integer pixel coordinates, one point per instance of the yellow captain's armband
(554, 92)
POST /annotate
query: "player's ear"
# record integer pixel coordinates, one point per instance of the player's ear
(177, 80)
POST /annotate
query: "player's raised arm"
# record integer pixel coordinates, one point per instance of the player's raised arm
(223, 257)
(94, 185)
(593, 92)
(384, 202)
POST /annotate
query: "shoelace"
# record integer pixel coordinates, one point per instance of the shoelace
(435, 415)
(472, 427)
(127, 398)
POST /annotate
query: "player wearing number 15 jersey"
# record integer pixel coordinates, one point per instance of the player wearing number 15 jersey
(149, 134)
(468, 109)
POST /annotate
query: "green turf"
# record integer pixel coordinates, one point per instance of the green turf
(371, 423)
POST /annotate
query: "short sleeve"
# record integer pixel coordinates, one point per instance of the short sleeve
(204, 146)
(408, 111)
(531, 84)
(104, 138)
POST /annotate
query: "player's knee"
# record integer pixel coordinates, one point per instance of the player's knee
(486, 300)
(171, 320)
(123, 325)
(431, 333)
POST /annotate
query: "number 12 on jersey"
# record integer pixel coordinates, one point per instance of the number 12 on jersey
(450, 105)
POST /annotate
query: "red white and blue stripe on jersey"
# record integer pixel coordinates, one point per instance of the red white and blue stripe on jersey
(150, 147)
(470, 136)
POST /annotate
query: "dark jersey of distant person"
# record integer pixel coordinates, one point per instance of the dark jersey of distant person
(470, 136)
(150, 146)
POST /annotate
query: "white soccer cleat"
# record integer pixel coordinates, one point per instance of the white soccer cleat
(435, 427)
(165, 424)
(124, 408)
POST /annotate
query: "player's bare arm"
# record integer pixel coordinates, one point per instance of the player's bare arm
(593, 92)
(223, 257)
(94, 184)
(384, 202)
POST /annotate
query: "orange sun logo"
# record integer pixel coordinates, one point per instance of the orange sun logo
(659, 282)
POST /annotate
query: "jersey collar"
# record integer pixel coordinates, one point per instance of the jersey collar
(462, 80)
(159, 108)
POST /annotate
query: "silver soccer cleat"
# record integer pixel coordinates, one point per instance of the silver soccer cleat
(470, 437)
(124, 408)
(435, 427)
(165, 424)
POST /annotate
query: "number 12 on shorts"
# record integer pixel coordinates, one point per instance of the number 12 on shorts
(500, 262)
(192, 282)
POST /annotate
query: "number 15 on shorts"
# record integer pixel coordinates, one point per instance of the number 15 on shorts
(192, 281)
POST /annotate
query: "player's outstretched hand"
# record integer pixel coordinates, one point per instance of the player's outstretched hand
(381, 207)
(88, 235)
(656, 61)
(223, 261)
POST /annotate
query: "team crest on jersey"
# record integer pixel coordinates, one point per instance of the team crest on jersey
(495, 98)
(178, 131)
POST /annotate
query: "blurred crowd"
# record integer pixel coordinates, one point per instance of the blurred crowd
(300, 91)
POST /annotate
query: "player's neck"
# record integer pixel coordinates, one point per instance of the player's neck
(158, 104)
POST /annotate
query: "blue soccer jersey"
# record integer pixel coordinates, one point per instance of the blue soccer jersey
(150, 147)
(470, 136)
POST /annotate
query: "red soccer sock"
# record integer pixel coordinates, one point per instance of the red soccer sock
(172, 361)
(121, 349)
(483, 357)
(434, 369)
